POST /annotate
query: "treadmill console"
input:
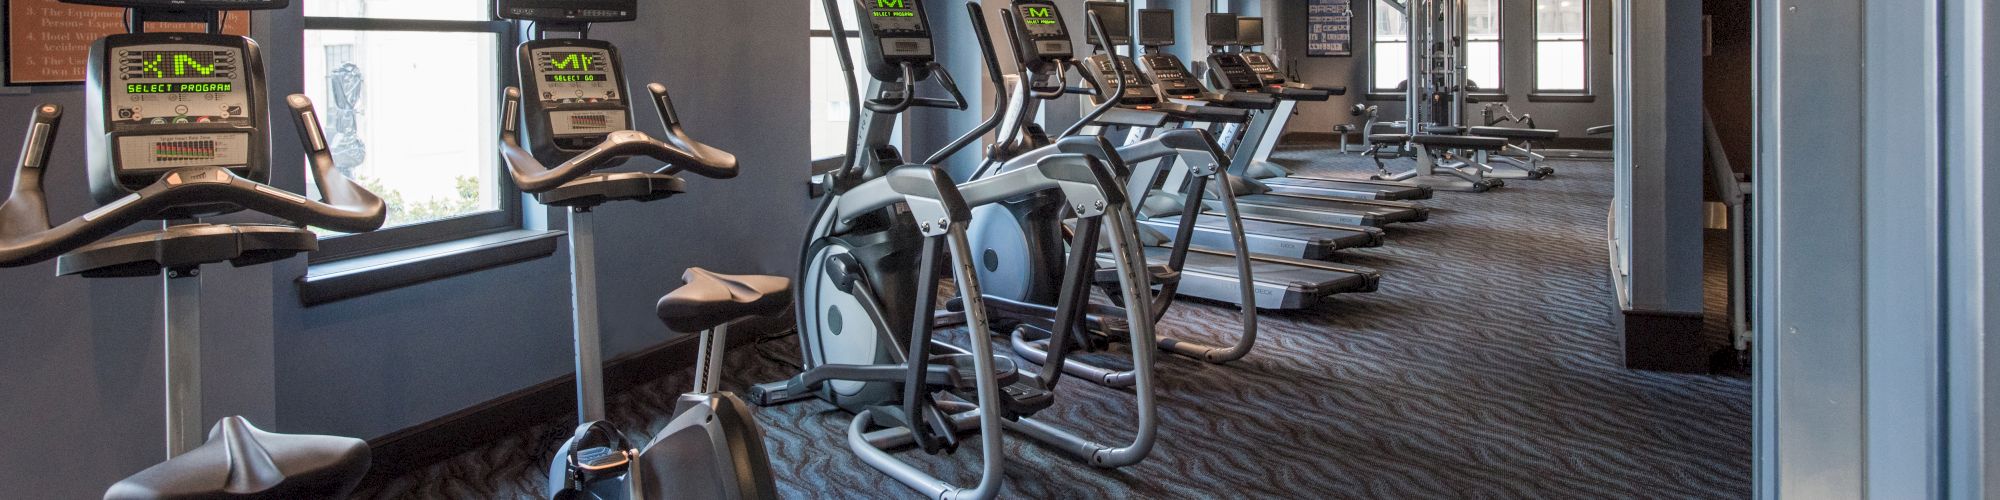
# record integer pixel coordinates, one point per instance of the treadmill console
(1233, 73)
(1170, 77)
(167, 101)
(1116, 17)
(894, 32)
(1250, 33)
(568, 11)
(1044, 37)
(573, 96)
(1138, 90)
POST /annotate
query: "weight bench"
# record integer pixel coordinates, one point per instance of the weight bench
(1525, 162)
(1448, 162)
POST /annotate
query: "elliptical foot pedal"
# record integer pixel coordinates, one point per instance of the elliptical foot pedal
(1025, 400)
(966, 373)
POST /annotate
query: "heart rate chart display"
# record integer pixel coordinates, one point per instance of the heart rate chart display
(167, 152)
(183, 151)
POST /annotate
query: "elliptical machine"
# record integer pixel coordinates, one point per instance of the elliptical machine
(1046, 335)
(205, 156)
(870, 273)
(577, 116)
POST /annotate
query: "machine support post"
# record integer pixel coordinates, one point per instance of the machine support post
(583, 298)
(182, 289)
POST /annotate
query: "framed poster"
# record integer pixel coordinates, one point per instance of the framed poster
(47, 41)
(1330, 28)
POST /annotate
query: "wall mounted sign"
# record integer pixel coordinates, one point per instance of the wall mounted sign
(1330, 28)
(47, 41)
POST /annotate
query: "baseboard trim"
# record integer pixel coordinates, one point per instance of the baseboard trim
(401, 452)
(1663, 341)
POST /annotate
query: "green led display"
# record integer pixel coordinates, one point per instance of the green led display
(179, 88)
(171, 64)
(582, 78)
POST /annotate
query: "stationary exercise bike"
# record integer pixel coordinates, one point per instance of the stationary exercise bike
(178, 132)
(576, 115)
(870, 272)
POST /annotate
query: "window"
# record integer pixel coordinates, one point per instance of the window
(385, 75)
(1391, 44)
(1562, 46)
(1390, 48)
(1482, 46)
(829, 97)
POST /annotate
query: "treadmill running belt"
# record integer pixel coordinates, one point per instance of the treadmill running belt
(1321, 211)
(1342, 188)
(1280, 239)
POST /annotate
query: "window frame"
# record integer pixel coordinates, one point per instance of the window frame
(1560, 95)
(852, 35)
(507, 217)
(1499, 41)
(1374, 44)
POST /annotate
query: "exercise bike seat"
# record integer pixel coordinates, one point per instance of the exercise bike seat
(241, 461)
(709, 299)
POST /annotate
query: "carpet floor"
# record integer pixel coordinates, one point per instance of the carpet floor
(1486, 367)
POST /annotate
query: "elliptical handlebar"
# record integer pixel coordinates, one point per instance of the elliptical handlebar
(27, 238)
(934, 201)
(1096, 26)
(532, 177)
(993, 120)
(910, 99)
(1014, 37)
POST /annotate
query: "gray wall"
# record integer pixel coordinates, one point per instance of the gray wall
(1288, 21)
(82, 371)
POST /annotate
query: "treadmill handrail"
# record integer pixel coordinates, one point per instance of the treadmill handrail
(27, 238)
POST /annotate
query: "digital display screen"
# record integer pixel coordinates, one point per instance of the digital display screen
(173, 84)
(574, 75)
(1156, 27)
(178, 88)
(155, 64)
(572, 61)
(577, 78)
(1221, 29)
(895, 15)
(1041, 20)
(1117, 18)
(1250, 30)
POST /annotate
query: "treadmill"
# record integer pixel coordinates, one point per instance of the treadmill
(1249, 35)
(1229, 71)
(1044, 54)
(1171, 84)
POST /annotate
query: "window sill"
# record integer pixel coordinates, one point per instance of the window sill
(348, 278)
(1562, 98)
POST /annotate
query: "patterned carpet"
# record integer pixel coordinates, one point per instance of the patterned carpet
(1484, 368)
